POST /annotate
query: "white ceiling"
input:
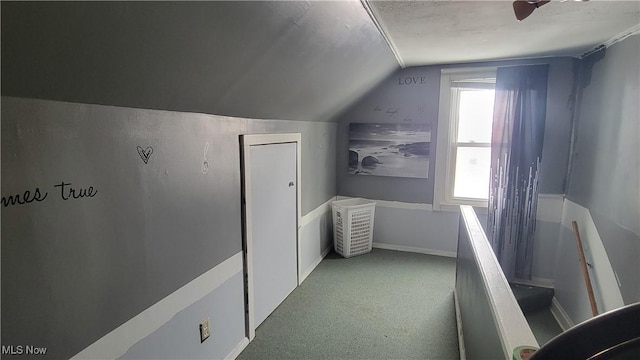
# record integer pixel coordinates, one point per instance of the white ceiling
(444, 32)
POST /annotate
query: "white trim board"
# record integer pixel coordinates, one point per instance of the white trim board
(461, 347)
(561, 316)
(317, 212)
(393, 204)
(443, 197)
(535, 281)
(605, 282)
(634, 30)
(373, 14)
(411, 249)
(306, 220)
(246, 141)
(550, 207)
(116, 343)
(313, 266)
(238, 349)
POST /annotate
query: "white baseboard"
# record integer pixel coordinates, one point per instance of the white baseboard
(414, 250)
(394, 204)
(560, 315)
(238, 349)
(315, 263)
(550, 207)
(322, 210)
(605, 283)
(463, 352)
(317, 212)
(539, 282)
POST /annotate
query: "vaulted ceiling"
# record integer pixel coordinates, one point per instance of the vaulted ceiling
(297, 60)
(293, 60)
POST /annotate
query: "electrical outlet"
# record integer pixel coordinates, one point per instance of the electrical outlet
(204, 330)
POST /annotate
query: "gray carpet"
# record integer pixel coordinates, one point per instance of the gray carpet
(381, 305)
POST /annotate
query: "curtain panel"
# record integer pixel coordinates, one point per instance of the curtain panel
(516, 151)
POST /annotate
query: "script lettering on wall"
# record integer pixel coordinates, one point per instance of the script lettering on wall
(395, 113)
(67, 192)
(25, 198)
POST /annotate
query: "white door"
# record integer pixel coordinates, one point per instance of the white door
(273, 225)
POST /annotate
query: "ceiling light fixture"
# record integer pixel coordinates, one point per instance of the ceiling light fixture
(524, 8)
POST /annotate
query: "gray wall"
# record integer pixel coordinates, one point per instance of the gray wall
(606, 157)
(395, 102)
(420, 230)
(269, 60)
(154, 227)
(76, 269)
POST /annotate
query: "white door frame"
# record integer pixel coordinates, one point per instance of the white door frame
(246, 141)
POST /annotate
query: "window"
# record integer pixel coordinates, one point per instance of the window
(463, 153)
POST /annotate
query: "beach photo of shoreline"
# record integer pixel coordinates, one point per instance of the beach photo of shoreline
(400, 150)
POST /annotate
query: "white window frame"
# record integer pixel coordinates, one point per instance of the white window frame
(443, 198)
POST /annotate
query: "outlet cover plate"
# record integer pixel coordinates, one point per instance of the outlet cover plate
(204, 330)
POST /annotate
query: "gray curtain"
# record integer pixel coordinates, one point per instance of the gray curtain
(516, 149)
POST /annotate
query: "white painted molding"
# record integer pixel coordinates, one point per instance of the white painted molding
(306, 220)
(470, 70)
(317, 212)
(120, 340)
(447, 129)
(238, 349)
(313, 266)
(403, 205)
(535, 281)
(411, 249)
(634, 30)
(561, 316)
(605, 282)
(442, 144)
(246, 141)
(461, 348)
(264, 139)
(394, 204)
(373, 14)
(550, 207)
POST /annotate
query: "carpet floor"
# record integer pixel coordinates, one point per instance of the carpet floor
(381, 305)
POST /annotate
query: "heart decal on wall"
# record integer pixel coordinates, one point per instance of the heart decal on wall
(145, 154)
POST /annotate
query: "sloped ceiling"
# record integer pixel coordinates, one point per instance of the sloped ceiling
(283, 60)
(298, 60)
(445, 32)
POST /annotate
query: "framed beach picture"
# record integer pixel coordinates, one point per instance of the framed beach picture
(400, 150)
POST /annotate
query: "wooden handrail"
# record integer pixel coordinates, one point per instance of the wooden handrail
(585, 271)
